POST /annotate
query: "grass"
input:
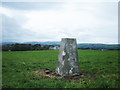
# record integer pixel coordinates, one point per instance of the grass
(100, 69)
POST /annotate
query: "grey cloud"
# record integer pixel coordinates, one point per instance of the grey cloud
(32, 5)
(12, 30)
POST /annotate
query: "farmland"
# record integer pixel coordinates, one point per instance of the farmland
(100, 69)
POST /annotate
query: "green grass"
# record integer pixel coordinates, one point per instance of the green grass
(100, 69)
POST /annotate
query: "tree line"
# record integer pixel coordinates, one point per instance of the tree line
(31, 47)
(24, 47)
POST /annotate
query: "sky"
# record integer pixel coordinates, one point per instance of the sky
(88, 22)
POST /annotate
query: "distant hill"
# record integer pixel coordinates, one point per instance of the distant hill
(79, 45)
(44, 43)
(33, 43)
(98, 46)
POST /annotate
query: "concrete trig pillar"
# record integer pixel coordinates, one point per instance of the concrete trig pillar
(68, 64)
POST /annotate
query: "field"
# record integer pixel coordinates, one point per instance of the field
(99, 67)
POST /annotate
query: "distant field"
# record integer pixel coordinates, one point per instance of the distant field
(100, 69)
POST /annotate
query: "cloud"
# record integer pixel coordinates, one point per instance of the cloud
(5, 11)
(32, 5)
(88, 22)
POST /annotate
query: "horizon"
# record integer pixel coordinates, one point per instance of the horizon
(57, 41)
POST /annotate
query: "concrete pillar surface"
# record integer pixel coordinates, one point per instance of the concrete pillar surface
(68, 64)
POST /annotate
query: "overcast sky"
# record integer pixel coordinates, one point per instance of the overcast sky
(88, 22)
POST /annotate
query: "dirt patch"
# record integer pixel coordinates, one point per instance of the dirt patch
(53, 74)
(50, 74)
